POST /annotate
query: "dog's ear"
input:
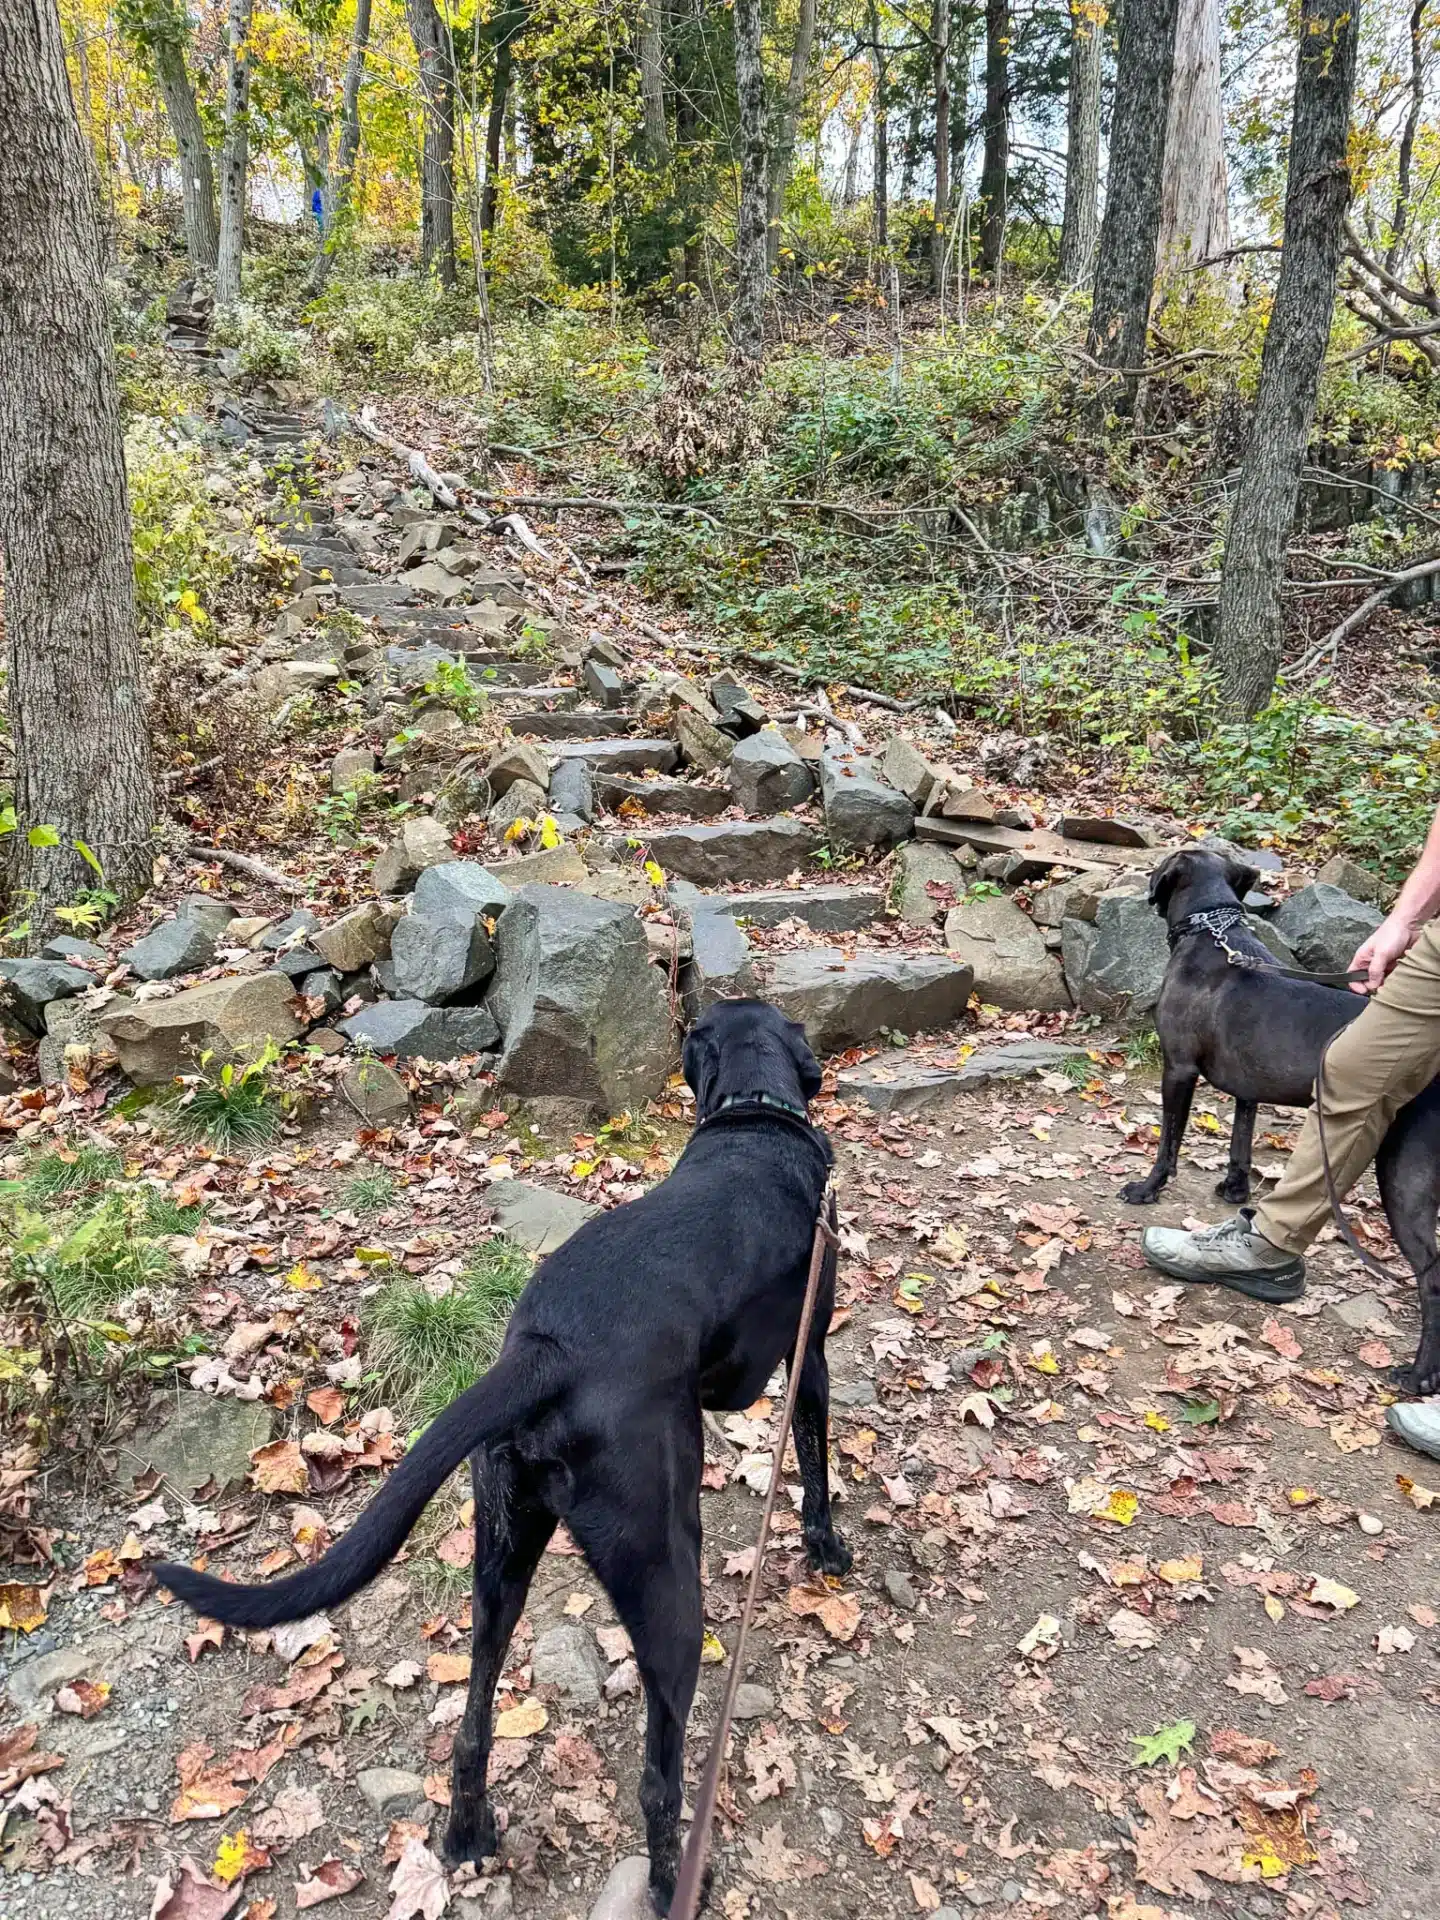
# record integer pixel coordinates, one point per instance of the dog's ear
(699, 1060)
(1164, 880)
(1240, 877)
(805, 1061)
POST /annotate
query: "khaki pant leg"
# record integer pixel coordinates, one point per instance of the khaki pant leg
(1372, 1069)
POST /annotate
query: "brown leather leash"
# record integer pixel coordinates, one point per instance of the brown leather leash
(691, 1880)
(1346, 1231)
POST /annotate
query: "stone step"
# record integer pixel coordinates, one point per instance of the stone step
(734, 850)
(843, 999)
(498, 689)
(620, 756)
(1037, 845)
(896, 1083)
(664, 796)
(832, 909)
(498, 669)
(583, 723)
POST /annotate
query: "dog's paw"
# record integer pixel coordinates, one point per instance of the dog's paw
(1141, 1193)
(1235, 1188)
(471, 1835)
(1421, 1378)
(828, 1553)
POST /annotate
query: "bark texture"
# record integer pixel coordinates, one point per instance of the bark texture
(76, 693)
(1080, 228)
(995, 165)
(342, 175)
(1194, 199)
(1401, 219)
(940, 88)
(652, 83)
(880, 190)
(787, 119)
(235, 159)
(752, 259)
(494, 127)
(1125, 265)
(1317, 192)
(197, 172)
(437, 160)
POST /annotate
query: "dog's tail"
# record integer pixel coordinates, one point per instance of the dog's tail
(502, 1399)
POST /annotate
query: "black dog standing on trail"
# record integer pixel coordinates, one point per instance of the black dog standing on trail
(1257, 1035)
(687, 1298)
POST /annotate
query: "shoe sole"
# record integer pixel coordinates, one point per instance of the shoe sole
(1394, 1417)
(1275, 1288)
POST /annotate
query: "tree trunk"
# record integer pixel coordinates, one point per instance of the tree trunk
(652, 83)
(76, 693)
(1262, 515)
(197, 174)
(880, 191)
(940, 87)
(782, 158)
(1081, 227)
(850, 179)
(437, 163)
(1125, 265)
(995, 165)
(235, 158)
(1194, 206)
(337, 191)
(494, 127)
(752, 261)
(1401, 219)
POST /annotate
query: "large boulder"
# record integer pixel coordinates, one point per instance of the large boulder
(921, 866)
(702, 745)
(231, 1019)
(581, 1010)
(410, 1029)
(738, 850)
(1072, 899)
(519, 761)
(1116, 964)
(1005, 949)
(767, 775)
(907, 769)
(843, 999)
(420, 843)
(30, 986)
(1323, 927)
(435, 960)
(460, 890)
(861, 808)
(173, 948)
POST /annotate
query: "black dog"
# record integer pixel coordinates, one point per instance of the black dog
(1252, 1033)
(685, 1299)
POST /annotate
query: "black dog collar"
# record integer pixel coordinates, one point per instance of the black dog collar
(1216, 921)
(734, 1100)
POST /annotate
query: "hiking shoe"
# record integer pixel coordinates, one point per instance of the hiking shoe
(1417, 1423)
(1230, 1255)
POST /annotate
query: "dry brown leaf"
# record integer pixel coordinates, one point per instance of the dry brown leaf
(22, 1607)
(326, 1403)
(192, 1895)
(326, 1882)
(83, 1697)
(280, 1468)
(446, 1668)
(1171, 1854)
(418, 1885)
(836, 1612)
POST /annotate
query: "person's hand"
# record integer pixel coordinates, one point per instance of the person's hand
(1392, 938)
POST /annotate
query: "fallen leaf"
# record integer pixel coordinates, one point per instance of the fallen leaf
(418, 1885)
(1228, 1743)
(192, 1895)
(83, 1697)
(403, 1674)
(1418, 1496)
(523, 1722)
(1177, 1573)
(303, 1279)
(836, 1612)
(235, 1856)
(925, 1895)
(1172, 1854)
(1277, 1335)
(211, 1633)
(446, 1668)
(1394, 1640)
(1166, 1743)
(326, 1882)
(1325, 1592)
(22, 1607)
(1119, 1505)
(1131, 1630)
(280, 1468)
(294, 1812)
(326, 1403)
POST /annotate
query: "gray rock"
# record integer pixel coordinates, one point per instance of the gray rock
(842, 1001)
(1073, 899)
(204, 1442)
(1269, 938)
(521, 800)
(357, 939)
(572, 789)
(1006, 952)
(1103, 829)
(626, 1894)
(290, 931)
(701, 744)
(604, 684)
(734, 850)
(349, 767)
(1364, 1312)
(582, 1011)
(518, 762)
(823, 909)
(767, 775)
(204, 910)
(324, 985)
(894, 1083)
(665, 796)
(412, 1030)
(420, 843)
(1323, 927)
(459, 890)
(38, 1679)
(66, 946)
(548, 867)
(30, 986)
(907, 769)
(537, 1218)
(1340, 872)
(175, 947)
(436, 960)
(1115, 967)
(739, 712)
(391, 1791)
(298, 962)
(377, 1093)
(919, 865)
(861, 808)
(852, 1393)
(720, 965)
(752, 1701)
(622, 756)
(285, 680)
(566, 1657)
(460, 796)
(232, 1018)
(901, 1589)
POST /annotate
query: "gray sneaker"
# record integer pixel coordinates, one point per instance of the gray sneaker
(1231, 1254)
(1417, 1423)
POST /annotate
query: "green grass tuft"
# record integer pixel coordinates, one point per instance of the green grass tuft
(369, 1192)
(59, 1171)
(425, 1349)
(229, 1113)
(1142, 1051)
(1078, 1071)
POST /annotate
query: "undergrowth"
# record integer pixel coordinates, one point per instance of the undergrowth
(426, 1348)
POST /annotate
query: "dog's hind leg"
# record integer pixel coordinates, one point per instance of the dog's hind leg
(1177, 1090)
(1407, 1171)
(511, 1533)
(828, 1553)
(1235, 1186)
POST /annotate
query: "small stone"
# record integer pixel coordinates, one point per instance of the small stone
(844, 999)
(572, 789)
(907, 769)
(624, 756)
(420, 843)
(175, 947)
(901, 1589)
(894, 1083)
(288, 932)
(357, 939)
(391, 1791)
(566, 1657)
(852, 1393)
(547, 867)
(1324, 926)
(518, 762)
(521, 800)
(377, 1093)
(734, 850)
(604, 684)
(1348, 875)
(248, 930)
(230, 1018)
(720, 961)
(204, 910)
(298, 962)
(837, 909)
(204, 1442)
(752, 1701)
(958, 798)
(30, 986)
(1106, 830)
(919, 866)
(1012, 1893)
(626, 1894)
(349, 767)
(1007, 953)
(832, 1822)
(324, 985)
(1370, 1524)
(767, 775)
(288, 679)
(42, 1676)
(65, 946)
(537, 1218)
(1365, 1313)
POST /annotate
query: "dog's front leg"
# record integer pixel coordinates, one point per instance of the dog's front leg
(827, 1551)
(1235, 1187)
(1177, 1090)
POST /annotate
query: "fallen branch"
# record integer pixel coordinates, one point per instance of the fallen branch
(1332, 642)
(420, 468)
(591, 503)
(244, 863)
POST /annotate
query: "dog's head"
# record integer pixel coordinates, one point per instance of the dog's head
(746, 1046)
(1196, 878)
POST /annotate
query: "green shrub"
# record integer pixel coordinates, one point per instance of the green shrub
(231, 1108)
(265, 351)
(180, 561)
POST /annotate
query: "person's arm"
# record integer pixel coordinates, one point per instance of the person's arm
(1400, 929)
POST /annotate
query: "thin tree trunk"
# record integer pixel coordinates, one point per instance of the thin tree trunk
(494, 127)
(437, 163)
(782, 158)
(1401, 218)
(1194, 204)
(1262, 515)
(850, 179)
(880, 192)
(652, 83)
(76, 692)
(197, 173)
(1125, 265)
(940, 87)
(235, 159)
(1081, 226)
(752, 261)
(337, 193)
(995, 165)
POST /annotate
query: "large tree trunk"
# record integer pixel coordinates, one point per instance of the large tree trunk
(494, 127)
(940, 88)
(337, 190)
(782, 157)
(76, 694)
(652, 83)
(163, 32)
(995, 165)
(880, 191)
(1194, 205)
(1401, 219)
(235, 159)
(1262, 515)
(752, 260)
(1125, 265)
(1081, 226)
(437, 162)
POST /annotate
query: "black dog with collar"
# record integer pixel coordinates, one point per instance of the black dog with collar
(687, 1298)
